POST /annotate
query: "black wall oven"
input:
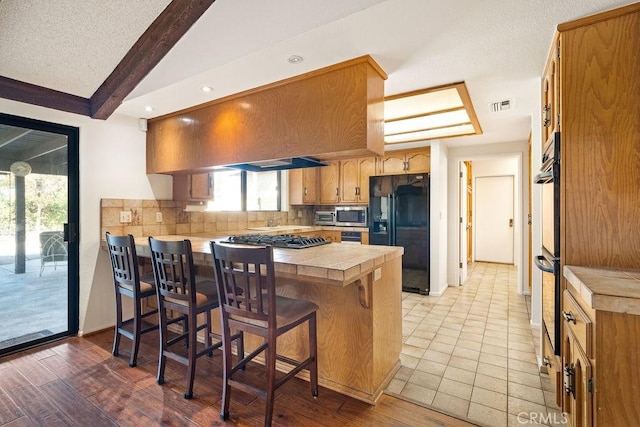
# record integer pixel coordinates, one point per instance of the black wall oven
(549, 260)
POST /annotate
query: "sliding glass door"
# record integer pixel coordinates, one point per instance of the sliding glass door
(38, 232)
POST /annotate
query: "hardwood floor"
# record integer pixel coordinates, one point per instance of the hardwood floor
(77, 381)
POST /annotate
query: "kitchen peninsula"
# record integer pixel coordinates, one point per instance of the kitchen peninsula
(358, 290)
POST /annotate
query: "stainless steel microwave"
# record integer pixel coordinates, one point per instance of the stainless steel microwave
(325, 218)
(351, 216)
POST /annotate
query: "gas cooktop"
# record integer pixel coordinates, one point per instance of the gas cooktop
(280, 241)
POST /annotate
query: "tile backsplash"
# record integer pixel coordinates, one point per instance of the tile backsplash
(144, 218)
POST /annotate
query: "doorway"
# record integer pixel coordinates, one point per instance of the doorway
(494, 219)
(39, 208)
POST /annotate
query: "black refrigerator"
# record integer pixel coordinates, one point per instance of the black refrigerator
(399, 216)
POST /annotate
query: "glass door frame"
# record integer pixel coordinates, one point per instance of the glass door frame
(71, 228)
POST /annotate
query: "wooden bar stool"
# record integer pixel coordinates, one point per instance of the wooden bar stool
(248, 303)
(127, 282)
(179, 291)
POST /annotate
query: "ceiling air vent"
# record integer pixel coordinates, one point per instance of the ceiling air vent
(501, 105)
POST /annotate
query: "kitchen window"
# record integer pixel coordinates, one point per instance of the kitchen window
(236, 190)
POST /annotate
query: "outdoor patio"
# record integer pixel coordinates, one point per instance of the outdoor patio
(31, 306)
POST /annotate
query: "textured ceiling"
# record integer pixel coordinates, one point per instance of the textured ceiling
(498, 47)
(70, 45)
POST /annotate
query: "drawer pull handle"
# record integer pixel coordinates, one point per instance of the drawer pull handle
(569, 317)
(546, 362)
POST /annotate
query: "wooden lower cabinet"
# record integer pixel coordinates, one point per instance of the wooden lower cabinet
(365, 238)
(577, 383)
(600, 351)
(553, 363)
(333, 236)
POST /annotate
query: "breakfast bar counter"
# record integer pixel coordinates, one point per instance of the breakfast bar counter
(358, 290)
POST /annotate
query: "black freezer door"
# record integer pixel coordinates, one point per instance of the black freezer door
(381, 211)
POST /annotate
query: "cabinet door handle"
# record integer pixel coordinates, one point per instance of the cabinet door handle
(357, 191)
(569, 317)
(337, 191)
(546, 361)
(569, 379)
(305, 191)
(546, 111)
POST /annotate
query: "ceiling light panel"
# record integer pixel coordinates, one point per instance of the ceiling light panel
(437, 112)
(422, 103)
(427, 122)
(447, 132)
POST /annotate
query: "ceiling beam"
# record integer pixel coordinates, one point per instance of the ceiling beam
(146, 53)
(12, 135)
(45, 148)
(42, 96)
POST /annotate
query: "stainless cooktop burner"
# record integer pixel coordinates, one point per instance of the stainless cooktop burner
(280, 241)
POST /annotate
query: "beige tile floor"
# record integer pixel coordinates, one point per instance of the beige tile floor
(471, 353)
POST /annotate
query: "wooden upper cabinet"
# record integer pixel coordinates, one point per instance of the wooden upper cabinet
(367, 168)
(201, 188)
(410, 161)
(349, 180)
(333, 112)
(330, 183)
(303, 186)
(170, 145)
(192, 187)
(392, 163)
(418, 162)
(551, 92)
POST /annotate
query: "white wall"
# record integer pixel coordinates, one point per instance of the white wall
(438, 217)
(112, 165)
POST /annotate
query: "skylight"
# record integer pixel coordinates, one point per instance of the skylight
(438, 112)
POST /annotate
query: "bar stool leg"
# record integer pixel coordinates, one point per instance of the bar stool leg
(313, 352)
(162, 360)
(137, 327)
(116, 338)
(193, 346)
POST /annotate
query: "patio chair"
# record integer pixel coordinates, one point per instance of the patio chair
(53, 249)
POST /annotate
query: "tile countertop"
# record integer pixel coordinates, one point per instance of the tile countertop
(335, 263)
(605, 289)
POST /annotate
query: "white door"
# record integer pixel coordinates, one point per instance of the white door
(494, 219)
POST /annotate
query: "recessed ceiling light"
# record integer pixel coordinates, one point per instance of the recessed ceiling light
(149, 108)
(295, 59)
(206, 89)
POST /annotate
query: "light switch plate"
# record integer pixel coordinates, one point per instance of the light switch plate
(377, 274)
(299, 214)
(125, 216)
(158, 216)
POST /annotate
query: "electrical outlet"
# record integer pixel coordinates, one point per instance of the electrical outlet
(299, 214)
(377, 274)
(158, 216)
(125, 216)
